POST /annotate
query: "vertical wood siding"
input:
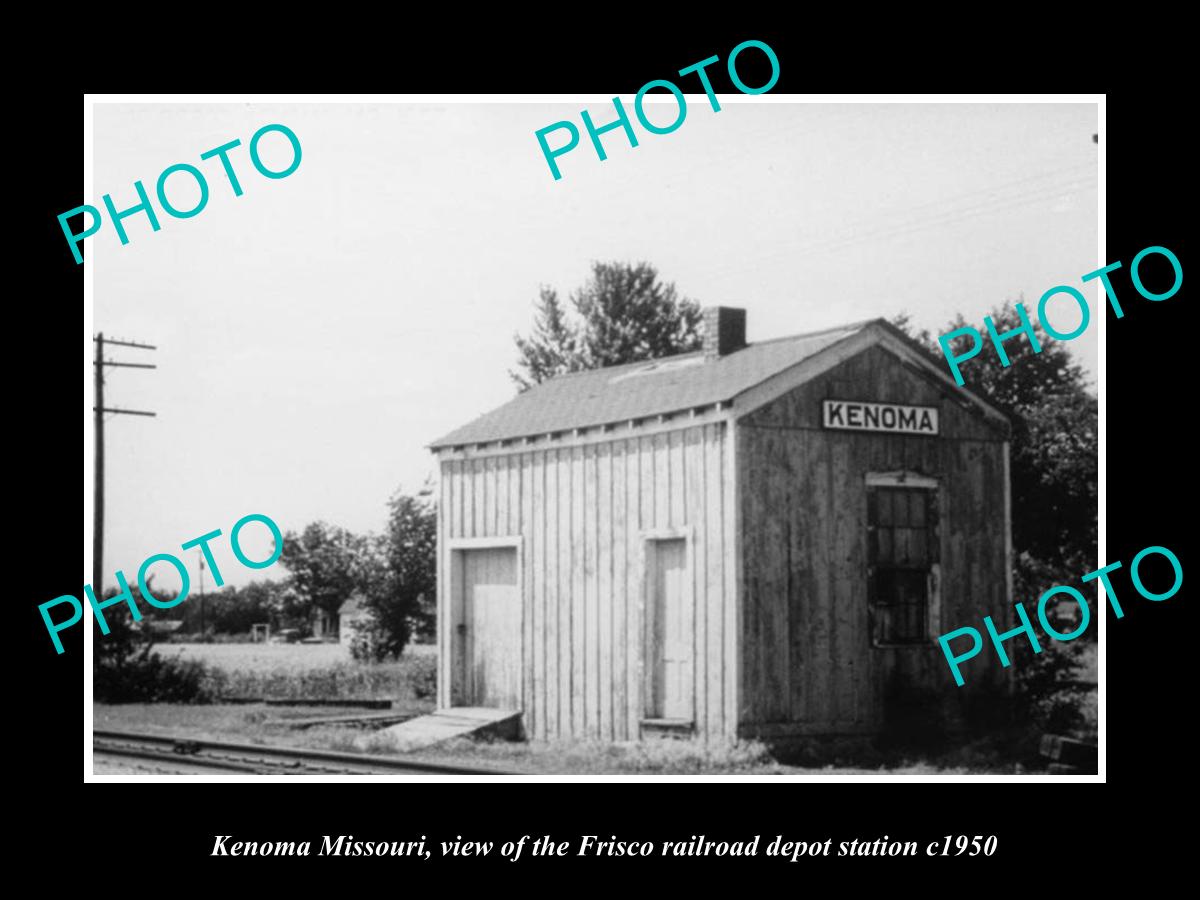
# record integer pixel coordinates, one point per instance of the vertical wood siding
(808, 658)
(583, 513)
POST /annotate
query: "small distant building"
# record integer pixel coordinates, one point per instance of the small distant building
(335, 627)
(752, 540)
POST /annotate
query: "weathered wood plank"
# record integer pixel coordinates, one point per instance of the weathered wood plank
(848, 569)
(605, 586)
(754, 688)
(800, 624)
(694, 516)
(455, 527)
(662, 481)
(591, 569)
(521, 487)
(711, 530)
(478, 498)
(561, 491)
(609, 576)
(450, 516)
(461, 511)
(732, 659)
(445, 517)
(507, 504)
(653, 486)
(539, 573)
(620, 609)
(633, 586)
(822, 500)
(505, 475)
(497, 493)
(778, 566)
(677, 468)
(516, 491)
(579, 551)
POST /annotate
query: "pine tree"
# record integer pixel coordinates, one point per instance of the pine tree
(623, 313)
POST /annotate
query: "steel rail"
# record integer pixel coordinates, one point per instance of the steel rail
(189, 751)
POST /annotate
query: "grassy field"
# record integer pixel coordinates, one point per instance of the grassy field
(272, 657)
(310, 671)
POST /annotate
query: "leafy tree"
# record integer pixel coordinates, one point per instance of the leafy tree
(326, 564)
(251, 604)
(1054, 439)
(232, 610)
(412, 555)
(402, 583)
(623, 313)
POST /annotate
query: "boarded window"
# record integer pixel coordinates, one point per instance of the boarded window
(903, 552)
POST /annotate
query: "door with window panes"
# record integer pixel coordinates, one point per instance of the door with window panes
(903, 564)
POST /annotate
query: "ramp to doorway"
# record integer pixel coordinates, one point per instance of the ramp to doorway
(459, 721)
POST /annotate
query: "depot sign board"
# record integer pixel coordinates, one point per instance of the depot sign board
(853, 415)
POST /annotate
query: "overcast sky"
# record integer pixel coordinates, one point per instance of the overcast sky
(317, 332)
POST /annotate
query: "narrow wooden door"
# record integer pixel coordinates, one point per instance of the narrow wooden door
(670, 644)
(492, 616)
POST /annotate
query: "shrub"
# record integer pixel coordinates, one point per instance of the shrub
(125, 669)
(1041, 700)
(368, 642)
(423, 677)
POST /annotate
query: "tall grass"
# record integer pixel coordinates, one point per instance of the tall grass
(408, 678)
(306, 672)
(657, 756)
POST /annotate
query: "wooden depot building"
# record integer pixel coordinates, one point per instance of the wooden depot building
(756, 540)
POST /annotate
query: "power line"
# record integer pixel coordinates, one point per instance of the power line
(996, 204)
(903, 228)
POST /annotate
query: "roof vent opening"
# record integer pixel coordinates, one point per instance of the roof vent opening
(724, 331)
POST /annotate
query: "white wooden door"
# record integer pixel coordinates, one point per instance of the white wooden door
(492, 616)
(671, 633)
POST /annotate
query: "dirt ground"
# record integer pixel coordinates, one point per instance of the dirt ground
(258, 723)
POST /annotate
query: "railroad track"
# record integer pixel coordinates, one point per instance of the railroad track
(186, 756)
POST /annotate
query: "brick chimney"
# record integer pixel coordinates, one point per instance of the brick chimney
(724, 331)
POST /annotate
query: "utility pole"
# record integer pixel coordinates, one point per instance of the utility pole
(98, 504)
(100, 409)
(200, 557)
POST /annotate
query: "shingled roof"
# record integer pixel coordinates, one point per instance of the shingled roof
(643, 389)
